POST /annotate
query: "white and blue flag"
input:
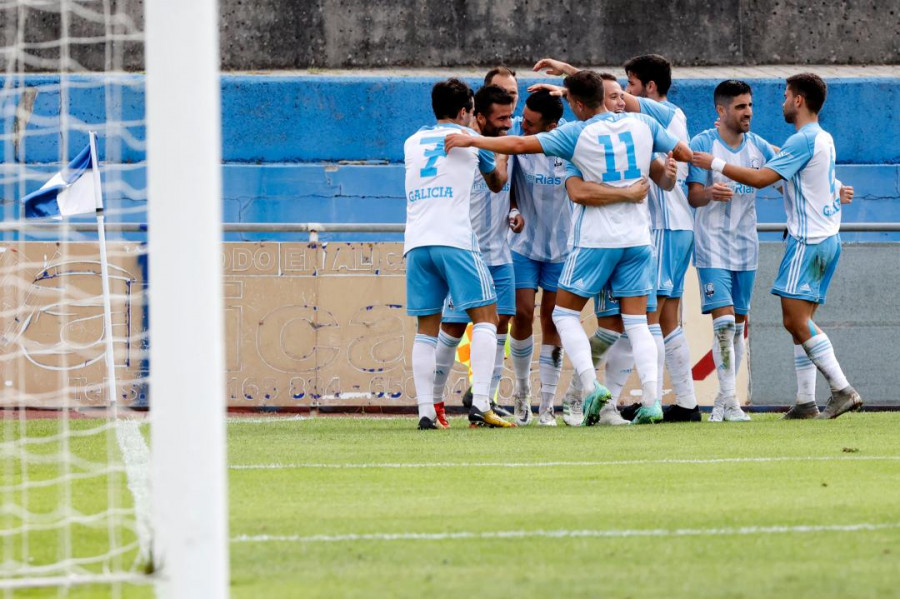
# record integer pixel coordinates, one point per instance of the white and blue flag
(71, 191)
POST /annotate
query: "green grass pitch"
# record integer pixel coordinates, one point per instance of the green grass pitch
(353, 507)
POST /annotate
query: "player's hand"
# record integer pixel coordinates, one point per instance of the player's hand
(671, 166)
(554, 67)
(637, 192)
(555, 90)
(846, 194)
(702, 159)
(516, 221)
(720, 192)
(458, 140)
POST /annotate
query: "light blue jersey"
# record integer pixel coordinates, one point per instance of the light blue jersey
(540, 188)
(615, 149)
(811, 194)
(669, 209)
(725, 232)
(490, 214)
(438, 188)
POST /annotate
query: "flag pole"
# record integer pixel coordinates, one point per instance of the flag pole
(104, 276)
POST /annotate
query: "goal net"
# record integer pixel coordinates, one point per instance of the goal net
(94, 149)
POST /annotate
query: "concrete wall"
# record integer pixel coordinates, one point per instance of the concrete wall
(291, 34)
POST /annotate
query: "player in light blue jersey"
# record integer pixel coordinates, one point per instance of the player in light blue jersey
(611, 243)
(726, 245)
(489, 212)
(812, 198)
(441, 250)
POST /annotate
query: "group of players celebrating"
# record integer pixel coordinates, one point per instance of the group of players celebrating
(611, 207)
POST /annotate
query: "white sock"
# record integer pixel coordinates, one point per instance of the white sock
(575, 342)
(445, 358)
(600, 342)
(521, 351)
(550, 367)
(646, 356)
(656, 331)
(678, 361)
(483, 354)
(819, 350)
(806, 376)
(498, 367)
(619, 364)
(723, 356)
(740, 347)
(423, 373)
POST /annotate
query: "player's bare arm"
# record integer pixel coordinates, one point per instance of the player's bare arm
(589, 193)
(664, 173)
(555, 67)
(509, 144)
(700, 195)
(498, 177)
(682, 152)
(516, 220)
(757, 178)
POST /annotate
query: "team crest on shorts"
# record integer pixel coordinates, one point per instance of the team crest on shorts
(709, 289)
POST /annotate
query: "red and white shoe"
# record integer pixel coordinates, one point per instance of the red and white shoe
(442, 421)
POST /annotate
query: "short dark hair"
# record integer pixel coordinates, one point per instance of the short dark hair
(651, 67)
(609, 77)
(489, 95)
(811, 87)
(550, 107)
(586, 87)
(449, 97)
(501, 70)
(730, 89)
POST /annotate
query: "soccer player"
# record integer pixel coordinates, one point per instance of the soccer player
(812, 198)
(538, 255)
(441, 251)
(490, 214)
(726, 245)
(611, 243)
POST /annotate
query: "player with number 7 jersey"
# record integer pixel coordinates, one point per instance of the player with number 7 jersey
(610, 243)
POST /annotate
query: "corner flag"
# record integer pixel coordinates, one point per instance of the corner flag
(71, 191)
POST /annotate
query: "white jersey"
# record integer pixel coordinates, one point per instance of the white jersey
(438, 188)
(811, 195)
(670, 209)
(539, 185)
(615, 149)
(725, 232)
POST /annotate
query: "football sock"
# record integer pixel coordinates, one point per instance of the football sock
(521, 351)
(619, 364)
(423, 373)
(602, 340)
(575, 342)
(806, 376)
(819, 350)
(740, 346)
(646, 355)
(550, 368)
(723, 355)
(498, 367)
(484, 352)
(656, 332)
(445, 357)
(678, 361)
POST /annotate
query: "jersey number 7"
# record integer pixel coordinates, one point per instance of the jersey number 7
(432, 154)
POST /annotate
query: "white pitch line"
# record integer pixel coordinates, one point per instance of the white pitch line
(660, 462)
(563, 534)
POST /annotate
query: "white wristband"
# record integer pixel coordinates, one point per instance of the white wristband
(514, 213)
(718, 165)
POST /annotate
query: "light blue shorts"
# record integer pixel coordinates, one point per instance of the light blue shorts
(673, 255)
(531, 274)
(626, 270)
(504, 282)
(720, 287)
(433, 272)
(606, 305)
(806, 270)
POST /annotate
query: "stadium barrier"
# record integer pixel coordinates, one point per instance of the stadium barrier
(319, 326)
